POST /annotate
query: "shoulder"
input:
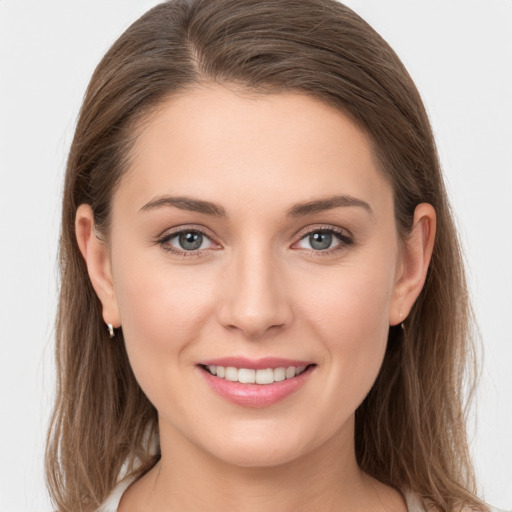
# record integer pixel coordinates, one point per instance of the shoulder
(112, 502)
(415, 504)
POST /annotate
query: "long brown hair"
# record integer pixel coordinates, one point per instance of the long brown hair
(410, 429)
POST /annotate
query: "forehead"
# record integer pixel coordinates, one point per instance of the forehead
(256, 149)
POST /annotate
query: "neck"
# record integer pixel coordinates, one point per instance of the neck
(325, 479)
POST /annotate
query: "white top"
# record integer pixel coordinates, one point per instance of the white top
(112, 502)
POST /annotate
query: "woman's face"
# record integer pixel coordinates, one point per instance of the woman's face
(254, 232)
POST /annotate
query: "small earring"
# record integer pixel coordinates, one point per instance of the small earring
(401, 322)
(110, 330)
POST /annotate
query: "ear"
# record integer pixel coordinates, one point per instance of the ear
(413, 267)
(96, 256)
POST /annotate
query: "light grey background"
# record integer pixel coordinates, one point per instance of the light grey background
(459, 52)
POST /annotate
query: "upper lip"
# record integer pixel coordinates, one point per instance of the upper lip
(256, 364)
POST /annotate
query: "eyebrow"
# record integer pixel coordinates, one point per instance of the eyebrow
(186, 203)
(328, 203)
(298, 210)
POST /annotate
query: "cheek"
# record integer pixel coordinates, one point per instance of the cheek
(350, 303)
(350, 316)
(162, 311)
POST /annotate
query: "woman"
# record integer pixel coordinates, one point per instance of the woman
(254, 214)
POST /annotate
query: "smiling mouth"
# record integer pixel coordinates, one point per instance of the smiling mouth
(252, 376)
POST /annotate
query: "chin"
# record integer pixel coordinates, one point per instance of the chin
(254, 450)
(251, 457)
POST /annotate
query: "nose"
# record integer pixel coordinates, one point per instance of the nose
(253, 295)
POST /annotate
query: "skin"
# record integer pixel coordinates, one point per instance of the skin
(257, 288)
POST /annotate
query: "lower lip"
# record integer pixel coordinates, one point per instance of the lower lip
(256, 395)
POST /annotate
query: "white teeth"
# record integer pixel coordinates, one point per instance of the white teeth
(265, 376)
(247, 376)
(279, 374)
(250, 376)
(231, 374)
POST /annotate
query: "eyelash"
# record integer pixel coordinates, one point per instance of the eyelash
(344, 239)
(163, 241)
(342, 235)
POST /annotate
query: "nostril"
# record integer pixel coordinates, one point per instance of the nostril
(253, 305)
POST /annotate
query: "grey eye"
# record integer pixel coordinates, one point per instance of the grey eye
(190, 240)
(320, 240)
(324, 240)
(186, 242)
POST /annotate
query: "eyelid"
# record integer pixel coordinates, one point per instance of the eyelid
(323, 227)
(185, 227)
